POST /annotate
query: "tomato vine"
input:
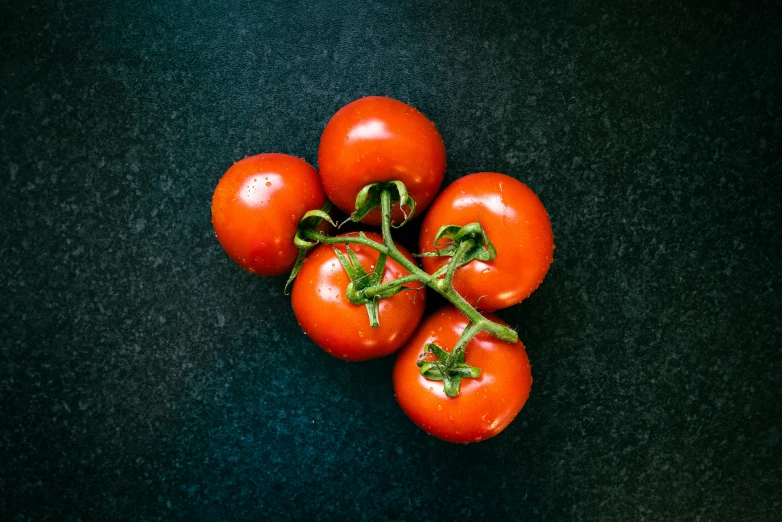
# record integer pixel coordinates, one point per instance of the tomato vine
(469, 242)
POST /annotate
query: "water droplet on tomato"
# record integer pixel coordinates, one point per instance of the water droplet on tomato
(360, 333)
(268, 183)
(439, 407)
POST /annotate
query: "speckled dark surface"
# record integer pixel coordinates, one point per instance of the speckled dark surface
(145, 377)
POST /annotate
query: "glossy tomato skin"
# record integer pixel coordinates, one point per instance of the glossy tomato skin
(342, 328)
(517, 225)
(376, 139)
(485, 405)
(257, 206)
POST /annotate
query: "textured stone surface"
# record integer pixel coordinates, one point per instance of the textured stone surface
(145, 377)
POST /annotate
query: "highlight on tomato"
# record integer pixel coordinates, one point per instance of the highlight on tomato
(256, 208)
(378, 139)
(515, 222)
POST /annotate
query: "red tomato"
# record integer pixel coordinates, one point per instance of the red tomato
(376, 139)
(257, 206)
(342, 328)
(485, 405)
(518, 226)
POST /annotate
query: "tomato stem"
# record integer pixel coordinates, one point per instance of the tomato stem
(372, 291)
(497, 330)
(468, 334)
(440, 281)
(385, 209)
(357, 240)
(442, 286)
(455, 261)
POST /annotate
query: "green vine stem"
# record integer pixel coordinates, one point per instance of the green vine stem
(441, 285)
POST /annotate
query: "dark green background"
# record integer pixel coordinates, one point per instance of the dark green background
(146, 377)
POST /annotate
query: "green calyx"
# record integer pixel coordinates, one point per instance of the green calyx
(454, 236)
(438, 365)
(361, 280)
(309, 222)
(370, 198)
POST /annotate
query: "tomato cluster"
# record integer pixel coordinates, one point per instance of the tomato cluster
(486, 243)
